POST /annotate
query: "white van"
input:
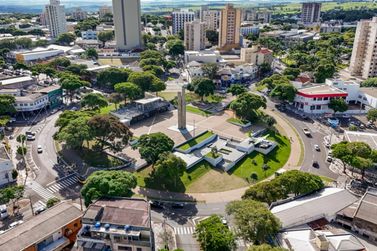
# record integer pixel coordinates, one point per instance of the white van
(3, 211)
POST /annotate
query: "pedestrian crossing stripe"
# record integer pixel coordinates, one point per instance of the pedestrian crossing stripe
(61, 184)
(184, 230)
(41, 191)
(39, 203)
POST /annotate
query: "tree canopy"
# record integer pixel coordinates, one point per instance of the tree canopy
(236, 89)
(7, 103)
(129, 90)
(265, 247)
(284, 92)
(152, 145)
(246, 105)
(372, 115)
(109, 77)
(338, 105)
(370, 82)
(105, 36)
(94, 101)
(253, 221)
(66, 38)
(108, 183)
(202, 86)
(210, 70)
(213, 235)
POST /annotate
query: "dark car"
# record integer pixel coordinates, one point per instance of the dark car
(156, 204)
(315, 164)
(178, 205)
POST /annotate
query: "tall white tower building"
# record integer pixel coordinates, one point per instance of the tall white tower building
(180, 18)
(310, 13)
(127, 22)
(364, 53)
(55, 15)
(195, 35)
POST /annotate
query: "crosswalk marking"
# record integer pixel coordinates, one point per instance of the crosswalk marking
(184, 230)
(39, 203)
(44, 193)
(61, 184)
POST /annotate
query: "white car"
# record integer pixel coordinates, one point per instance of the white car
(16, 223)
(329, 159)
(317, 148)
(39, 149)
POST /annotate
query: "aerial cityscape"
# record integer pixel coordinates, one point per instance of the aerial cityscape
(219, 125)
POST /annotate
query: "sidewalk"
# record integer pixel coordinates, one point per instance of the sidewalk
(284, 127)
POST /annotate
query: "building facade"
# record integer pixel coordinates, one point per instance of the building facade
(230, 23)
(127, 22)
(104, 10)
(89, 35)
(253, 15)
(54, 229)
(78, 14)
(6, 168)
(256, 55)
(195, 35)
(211, 18)
(56, 18)
(116, 224)
(179, 18)
(310, 13)
(364, 53)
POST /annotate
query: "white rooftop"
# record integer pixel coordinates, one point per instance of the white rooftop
(323, 204)
(147, 100)
(15, 80)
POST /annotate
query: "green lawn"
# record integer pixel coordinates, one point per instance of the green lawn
(168, 96)
(107, 109)
(213, 155)
(254, 162)
(186, 179)
(238, 121)
(196, 140)
(198, 111)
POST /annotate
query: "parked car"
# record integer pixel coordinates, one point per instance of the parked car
(16, 223)
(329, 159)
(3, 211)
(156, 204)
(30, 137)
(317, 148)
(39, 210)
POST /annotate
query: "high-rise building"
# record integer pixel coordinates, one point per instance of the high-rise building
(43, 20)
(211, 19)
(230, 23)
(202, 9)
(78, 14)
(310, 13)
(127, 23)
(195, 35)
(256, 55)
(253, 15)
(104, 10)
(180, 18)
(56, 18)
(364, 53)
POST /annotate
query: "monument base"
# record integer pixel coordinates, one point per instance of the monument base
(188, 129)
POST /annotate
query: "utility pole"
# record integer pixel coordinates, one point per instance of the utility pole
(31, 206)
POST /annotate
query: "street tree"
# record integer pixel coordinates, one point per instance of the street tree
(264, 68)
(175, 47)
(237, 89)
(152, 54)
(341, 152)
(338, 105)
(290, 71)
(75, 133)
(372, 115)
(246, 105)
(213, 235)
(168, 170)
(67, 116)
(108, 183)
(210, 70)
(109, 133)
(253, 221)
(109, 77)
(143, 79)
(91, 53)
(94, 101)
(157, 70)
(11, 194)
(21, 150)
(61, 62)
(362, 164)
(370, 82)
(157, 86)
(52, 202)
(105, 36)
(150, 61)
(129, 91)
(115, 98)
(152, 145)
(72, 84)
(66, 38)
(213, 37)
(284, 92)
(202, 86)
(324, 71)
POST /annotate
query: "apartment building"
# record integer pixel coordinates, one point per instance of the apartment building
(179, 19)
(54, 229)
(56, 18)
(364, 53)
(127, 23)
(211, 18)
(256, 55)
(310, 13)
(103, 10)
(253, 15)
(116, 224)
(6, 167)
(230, 23)
(195, 35)
(78, 14)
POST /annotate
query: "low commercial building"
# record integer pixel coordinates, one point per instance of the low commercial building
(361, 217)
(54, 94)
(329, 28)
(205, 56)
(323, 204)
(31, 102)
(315, 99)
(16, 82)
(89, 35)
(116, 224)
(53, 229)
(246, 30)
(6, 167)
(37, 55)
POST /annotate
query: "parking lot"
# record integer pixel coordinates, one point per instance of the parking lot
(367, 137)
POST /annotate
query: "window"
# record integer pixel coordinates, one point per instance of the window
(318, 107)
(125, 248)
(319, 99)
(312, 107)
(139, 249)
(326, 98)
(314, 99)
